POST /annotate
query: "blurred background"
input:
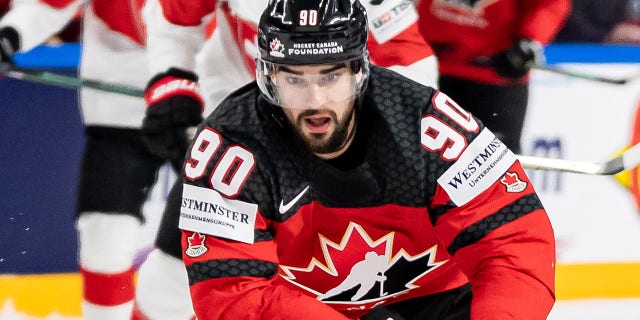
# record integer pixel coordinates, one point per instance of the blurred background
(574, 113)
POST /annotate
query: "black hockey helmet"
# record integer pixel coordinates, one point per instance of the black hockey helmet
(311, 32)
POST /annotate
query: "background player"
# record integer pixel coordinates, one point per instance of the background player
(117, 168)
(485, 50)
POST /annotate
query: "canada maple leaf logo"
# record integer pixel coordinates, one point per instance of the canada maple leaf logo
(196, 245)
(275, 44)
(359, 269)
(277, 48)
(513, 183)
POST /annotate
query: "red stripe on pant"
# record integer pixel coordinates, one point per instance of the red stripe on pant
(108, 289)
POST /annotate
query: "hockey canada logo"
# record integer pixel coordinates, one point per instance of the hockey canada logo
(196, 245)
(513, 182)
(277, 48)
(359, 270)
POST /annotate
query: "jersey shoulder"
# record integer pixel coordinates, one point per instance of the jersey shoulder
(249, 152)
(237, 106)
(393, 91)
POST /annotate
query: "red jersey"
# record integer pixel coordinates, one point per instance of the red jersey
(464, 32)
(429, 201)
(123, 16)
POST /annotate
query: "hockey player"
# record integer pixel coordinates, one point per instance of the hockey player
(226, 61)
(176, 33)
(117, 169)
(327, 166)
(485, 50)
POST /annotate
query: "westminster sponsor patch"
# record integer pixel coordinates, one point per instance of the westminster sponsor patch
(481, 164)
(207, 212)
(390, 18)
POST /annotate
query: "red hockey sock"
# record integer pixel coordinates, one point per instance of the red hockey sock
(108, 289)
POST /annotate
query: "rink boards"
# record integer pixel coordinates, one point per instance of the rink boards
(45, 295)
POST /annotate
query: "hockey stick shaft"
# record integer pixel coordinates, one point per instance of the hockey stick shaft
(627, 160)
(561, 165)
(486, 62)
(55, 79)
(580, 75)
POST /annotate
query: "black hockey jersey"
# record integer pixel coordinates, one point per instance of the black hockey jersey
(425, 200)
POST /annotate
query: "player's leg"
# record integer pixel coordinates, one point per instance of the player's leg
(162, 292)
(116, 176)
(502, 109)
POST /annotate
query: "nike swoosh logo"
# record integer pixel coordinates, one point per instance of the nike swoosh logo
(285, 207)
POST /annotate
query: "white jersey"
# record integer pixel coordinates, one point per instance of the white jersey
(177, 31)
(215, 39)
(112, 51)
(226, 60)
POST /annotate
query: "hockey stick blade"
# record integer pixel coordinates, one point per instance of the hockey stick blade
(627, 160)
(580, 75)
(69, 82)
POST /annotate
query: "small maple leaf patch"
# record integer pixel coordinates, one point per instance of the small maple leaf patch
(513, 182)
(196, 246)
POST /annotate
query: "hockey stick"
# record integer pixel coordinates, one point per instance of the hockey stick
(486, 62)
(580, 75)
(50, 78)
(627, 160)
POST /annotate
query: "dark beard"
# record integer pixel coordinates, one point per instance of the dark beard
(336, 141)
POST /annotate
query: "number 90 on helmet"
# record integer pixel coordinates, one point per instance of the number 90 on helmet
(312, 32)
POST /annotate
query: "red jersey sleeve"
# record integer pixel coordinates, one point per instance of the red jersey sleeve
(505, 244)
(175, 32)
(405, 49)
(58, 4)
(395, 41)
(488, 215)
(543, 19)
(244, 291)
(187, 12)
(232, 265)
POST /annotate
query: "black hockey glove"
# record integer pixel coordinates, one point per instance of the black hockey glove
(9, 43)
(173, 105)
(518, 59)
(382, 313)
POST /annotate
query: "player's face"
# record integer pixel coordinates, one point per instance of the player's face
(319, 102)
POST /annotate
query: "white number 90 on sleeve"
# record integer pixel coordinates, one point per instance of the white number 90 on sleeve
(229, 173)
(439, 136)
